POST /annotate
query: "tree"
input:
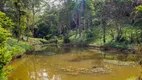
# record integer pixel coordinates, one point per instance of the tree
(21, 14)
(2, 3)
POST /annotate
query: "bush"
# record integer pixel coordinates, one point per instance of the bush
(139, 8)
(5, 57)
(5, 21)
(66, 39)
(90, 37)
(21, 46)
(3, 35)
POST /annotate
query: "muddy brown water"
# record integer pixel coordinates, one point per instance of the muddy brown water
(66, 63)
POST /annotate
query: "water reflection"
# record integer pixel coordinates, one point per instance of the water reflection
(43, 66)
(56, 77)
(34, 69)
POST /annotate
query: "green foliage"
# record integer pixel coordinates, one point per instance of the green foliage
(71, 6)
(23, 24)
(139, 8)
(46, 27)
(5, 21)
(3, 35)
(4, 72)
(5, 53)
(119, 45)
(19, 47)
(5, 56)
(90, 37)
(90, 6)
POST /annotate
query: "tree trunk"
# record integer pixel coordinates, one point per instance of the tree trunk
(119, 32)
(137, 37)
(19, 24)
(28, 28)
(104, 32)
(33, 12)
(1, 8)
(103, 25)
(112, 35)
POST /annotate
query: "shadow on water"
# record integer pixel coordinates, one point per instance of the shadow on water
(53, 50)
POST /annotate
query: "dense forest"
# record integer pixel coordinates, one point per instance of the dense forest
(115, 23)
(74, 21)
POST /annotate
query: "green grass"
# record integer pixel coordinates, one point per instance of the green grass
(119, 45)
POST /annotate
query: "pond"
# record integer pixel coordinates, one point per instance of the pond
(73, 64)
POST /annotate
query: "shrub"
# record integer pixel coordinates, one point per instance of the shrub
(139, 8)
(66, 39)
(5, 21)
(119, 45)
(3, 35)
(22, 46)
(90, 37)
(5, 56)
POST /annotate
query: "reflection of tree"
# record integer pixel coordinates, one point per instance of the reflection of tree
(34, 66)
(56, 77)
(140, 77)
(28, 72)
(31, 69)
(35, 70)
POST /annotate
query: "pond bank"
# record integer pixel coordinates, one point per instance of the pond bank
(102, 48)
(39, 44)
